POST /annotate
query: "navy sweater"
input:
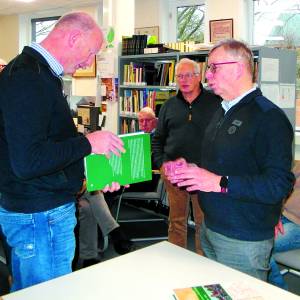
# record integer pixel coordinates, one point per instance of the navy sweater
(181, 127)
(252, 144)
(40, 151)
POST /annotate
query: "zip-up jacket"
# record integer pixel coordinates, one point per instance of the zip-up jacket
(181, 126)
(252, 145)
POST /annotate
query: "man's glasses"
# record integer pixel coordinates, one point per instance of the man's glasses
(213, 66)
(146, 120)
(186, 75)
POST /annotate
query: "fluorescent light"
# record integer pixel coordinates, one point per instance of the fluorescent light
(26, 1)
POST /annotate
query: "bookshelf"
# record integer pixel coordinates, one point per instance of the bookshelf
(149, 80)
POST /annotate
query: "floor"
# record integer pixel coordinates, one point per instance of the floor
(152, 228)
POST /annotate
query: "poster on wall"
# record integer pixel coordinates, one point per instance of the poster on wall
(220, 29)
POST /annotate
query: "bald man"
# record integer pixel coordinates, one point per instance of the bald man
(41, 153)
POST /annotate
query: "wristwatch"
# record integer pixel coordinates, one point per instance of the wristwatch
(224, 184)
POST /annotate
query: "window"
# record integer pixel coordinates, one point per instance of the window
(190, 23)
(277, 23)
(186, 20)
(41, 27)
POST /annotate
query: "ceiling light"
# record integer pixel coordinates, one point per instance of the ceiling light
(26, 1)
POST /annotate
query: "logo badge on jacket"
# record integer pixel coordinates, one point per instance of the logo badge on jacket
(235, 124)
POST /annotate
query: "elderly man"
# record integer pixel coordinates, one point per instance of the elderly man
(245, 165)
(147, 120)
(41, 153)
(181, 124)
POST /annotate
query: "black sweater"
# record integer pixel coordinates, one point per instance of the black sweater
(41, 153)
(181, 127)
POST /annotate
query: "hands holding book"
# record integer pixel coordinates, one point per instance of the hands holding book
(105, 142)
(191, 177)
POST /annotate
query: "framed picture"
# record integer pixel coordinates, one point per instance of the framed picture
(154, 30)
(220, 29)
(88, 72)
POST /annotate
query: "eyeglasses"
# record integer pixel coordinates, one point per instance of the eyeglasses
(146, 120)
(213, 66)
(186, 75)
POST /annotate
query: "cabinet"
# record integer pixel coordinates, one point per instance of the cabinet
(149, 80)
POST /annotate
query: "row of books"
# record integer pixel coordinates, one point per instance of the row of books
(137, 43)
(187, 46)
(149, 73)
(133, 101)
(134, 44)
(129, 125)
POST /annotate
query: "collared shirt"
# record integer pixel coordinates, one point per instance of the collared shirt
(55, 66)
(228, 104)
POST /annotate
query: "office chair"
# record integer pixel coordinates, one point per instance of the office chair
(159, 196)
(291, 260)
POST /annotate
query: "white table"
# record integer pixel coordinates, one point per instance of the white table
(149, 273)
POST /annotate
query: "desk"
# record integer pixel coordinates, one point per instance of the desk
(147, 274)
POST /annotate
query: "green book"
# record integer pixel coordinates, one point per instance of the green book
(131, 167)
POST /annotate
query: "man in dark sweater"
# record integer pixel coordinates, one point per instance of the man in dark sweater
(245, 165)
(41, 153)
(181, 124)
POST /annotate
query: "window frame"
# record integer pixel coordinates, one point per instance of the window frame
(173, 5)
(36, 20)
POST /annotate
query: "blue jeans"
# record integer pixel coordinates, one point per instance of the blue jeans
(43, 244)
(248, 257)
(288, 241)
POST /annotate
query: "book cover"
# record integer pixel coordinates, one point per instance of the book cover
(206, 292)
(131, 167)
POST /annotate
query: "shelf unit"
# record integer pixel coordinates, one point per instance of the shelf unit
(278, 81)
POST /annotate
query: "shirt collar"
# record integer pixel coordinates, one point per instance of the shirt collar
(55, 66)
(228, 104)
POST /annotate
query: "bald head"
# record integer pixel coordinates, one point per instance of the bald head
(74, 41)
(76, 20)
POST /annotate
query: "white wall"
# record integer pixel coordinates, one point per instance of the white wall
(238, 10)
(153, 13)
(9, 41)
(120, 15)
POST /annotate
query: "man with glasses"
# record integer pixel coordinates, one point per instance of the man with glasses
(245, 165)
(147, 120)
(181, 124)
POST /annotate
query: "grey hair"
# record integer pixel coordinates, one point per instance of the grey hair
(147, 110)
(187, 61)
(237, 49)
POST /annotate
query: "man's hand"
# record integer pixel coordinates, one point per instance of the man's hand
(115, 186)
(279, 229)
(196, 179)
(105, 142)
(170, 167)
